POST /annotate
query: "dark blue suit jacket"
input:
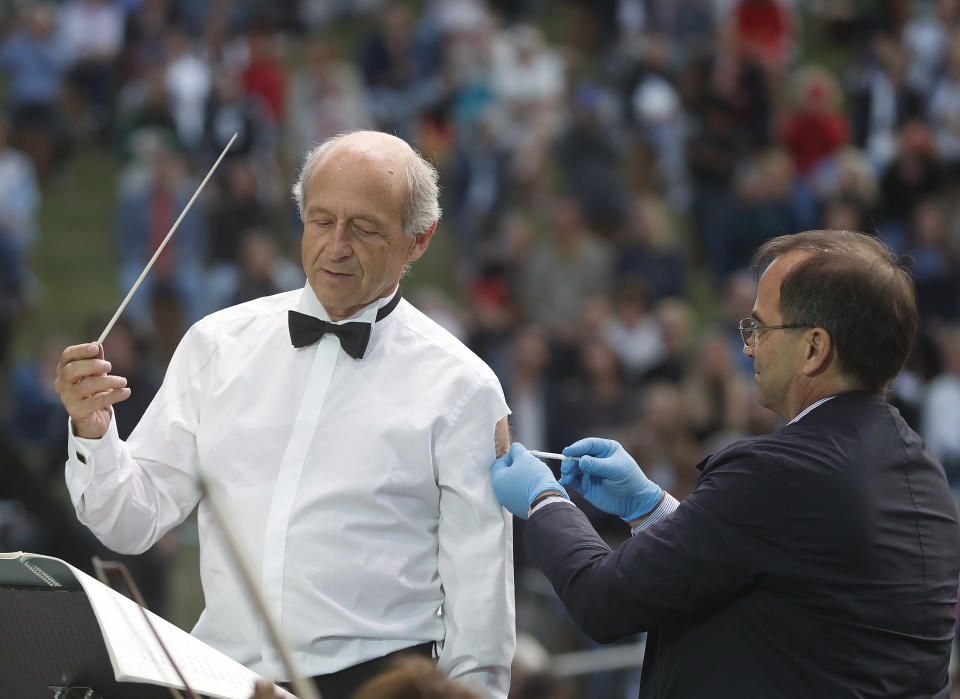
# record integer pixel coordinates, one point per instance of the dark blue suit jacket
(819, 561)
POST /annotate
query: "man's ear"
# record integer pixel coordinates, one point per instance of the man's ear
(818, 350)
(420, 243)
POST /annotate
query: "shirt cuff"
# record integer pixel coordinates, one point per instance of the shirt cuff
(84, 454)
(667, 505)
(546, 501)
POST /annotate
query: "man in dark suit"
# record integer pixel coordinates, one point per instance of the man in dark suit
(818, 561)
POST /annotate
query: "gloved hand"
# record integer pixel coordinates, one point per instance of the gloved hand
(518, 477)
(609, 478)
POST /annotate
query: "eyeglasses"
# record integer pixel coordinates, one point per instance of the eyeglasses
(749, 328)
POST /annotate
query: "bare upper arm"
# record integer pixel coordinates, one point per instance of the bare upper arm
(501, 437)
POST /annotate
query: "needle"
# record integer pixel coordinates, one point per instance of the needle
(136, 284)
(552, 455)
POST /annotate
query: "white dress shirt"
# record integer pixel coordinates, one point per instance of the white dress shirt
(360, 488)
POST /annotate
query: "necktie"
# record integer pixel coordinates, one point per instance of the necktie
(306, 330)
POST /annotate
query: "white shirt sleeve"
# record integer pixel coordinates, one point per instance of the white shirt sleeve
(666, 506)
(476, 549)
(131, 493)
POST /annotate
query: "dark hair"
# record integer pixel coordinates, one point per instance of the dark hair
(853, 287)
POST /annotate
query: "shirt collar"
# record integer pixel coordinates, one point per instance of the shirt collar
(310, 305)
(810, 407)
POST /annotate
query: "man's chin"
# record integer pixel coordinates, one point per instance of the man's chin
(335, 298)
(335, 287)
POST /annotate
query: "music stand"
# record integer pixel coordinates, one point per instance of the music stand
(51, 646)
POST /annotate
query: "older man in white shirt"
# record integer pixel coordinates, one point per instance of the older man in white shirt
(350, 435)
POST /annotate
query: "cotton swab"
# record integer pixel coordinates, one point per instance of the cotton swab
(163, 244)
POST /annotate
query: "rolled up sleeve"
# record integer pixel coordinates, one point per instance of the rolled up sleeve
(475, 559)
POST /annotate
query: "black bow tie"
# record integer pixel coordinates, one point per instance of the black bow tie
(306, 330)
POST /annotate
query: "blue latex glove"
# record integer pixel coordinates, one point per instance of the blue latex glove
(518, 477)
(609, 478)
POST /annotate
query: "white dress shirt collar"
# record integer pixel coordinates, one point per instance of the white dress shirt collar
(311, 305)
(810, 407)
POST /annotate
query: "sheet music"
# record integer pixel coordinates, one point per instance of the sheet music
(136, 656)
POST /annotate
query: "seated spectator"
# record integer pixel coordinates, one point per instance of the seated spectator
(740, 290)
(19, 198)
(12, 273)
(676, 327)
(649, 249)
(34, 62)
(843, 214)
(529, 390)
(882, 99)
(589, 158)
(569, 266)
(662, 437)
(146, 210)
(401, 84)
(188, 83)
(927, 36)
(916, 172)
(847, 174)
(633, 332)
(945, 109)
(491, 314)
(598, 401)
(19, 194)
(763, 31)
(713, 150)
(264, 75)
(262, 271)
(940, 417)
(92, 32)
(528, 79)
(815, 128)
(144, 105)
(465, 33)
(479, 189)
(327, 97)
(36, 417)
(238, 208)
(716, 392)
(765, 207)
(657, 112)
(935, 264)
(230, 110)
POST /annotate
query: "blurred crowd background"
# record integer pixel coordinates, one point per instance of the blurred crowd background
(607, 168)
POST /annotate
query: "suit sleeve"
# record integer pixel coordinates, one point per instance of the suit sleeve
(704, 553)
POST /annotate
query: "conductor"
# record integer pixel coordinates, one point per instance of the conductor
(350, 437)
(818, 561)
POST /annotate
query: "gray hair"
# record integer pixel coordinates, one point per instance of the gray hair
(423, 192)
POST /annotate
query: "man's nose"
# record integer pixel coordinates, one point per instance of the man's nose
(340, 244)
